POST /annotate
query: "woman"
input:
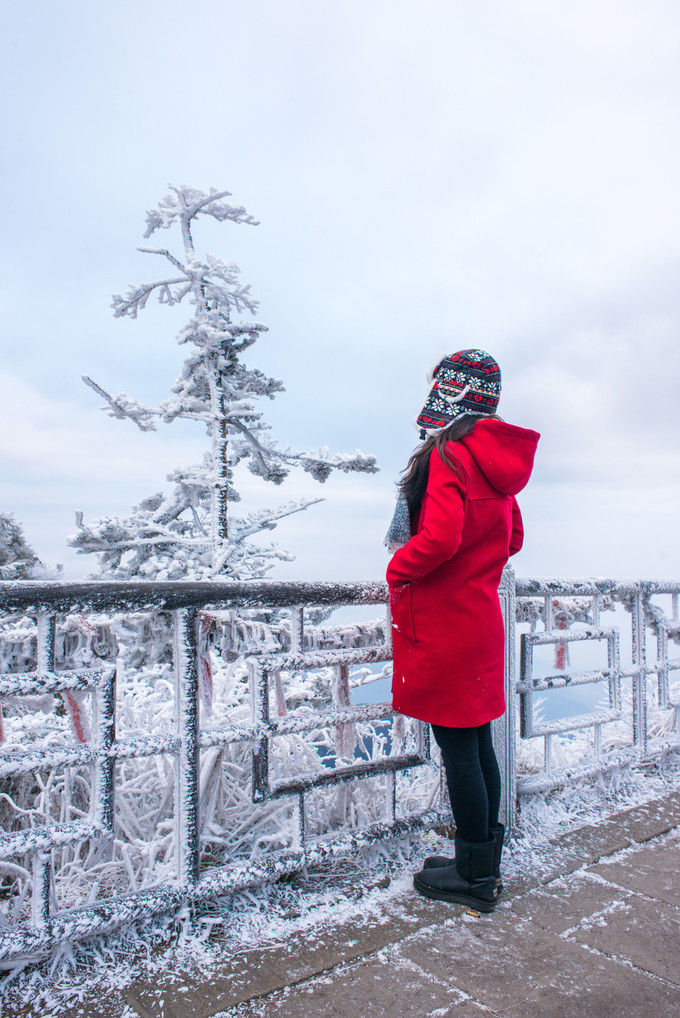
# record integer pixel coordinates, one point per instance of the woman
(459, 488)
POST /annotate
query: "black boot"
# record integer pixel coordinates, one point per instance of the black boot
(434, 862)
(498, 833)
(469, 880)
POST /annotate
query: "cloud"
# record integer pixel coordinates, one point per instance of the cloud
(599, 530)
(52, 440)
(606, 399)
(428, 177)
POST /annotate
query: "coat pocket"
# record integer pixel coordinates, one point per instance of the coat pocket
(402, 611)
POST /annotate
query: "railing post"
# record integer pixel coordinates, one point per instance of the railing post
(297, 630)
(104, 768)
(639, 679)
(259, 706)
(42, 861)
(47, 627)
(388, 627)
(662, 666)
(504, 728)
(186, 767)
(42, 878)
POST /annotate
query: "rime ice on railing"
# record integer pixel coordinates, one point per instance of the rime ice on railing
(159, 792)
(637, 716)
(237, 755)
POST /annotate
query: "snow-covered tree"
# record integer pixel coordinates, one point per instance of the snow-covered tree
(18, 561)
(187, 531)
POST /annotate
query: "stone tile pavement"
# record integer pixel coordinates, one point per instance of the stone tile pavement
(594, 931)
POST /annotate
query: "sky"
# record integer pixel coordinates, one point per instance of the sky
(428, 177)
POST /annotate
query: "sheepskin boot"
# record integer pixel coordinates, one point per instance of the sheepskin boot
(498, 834)
(469, 880)
(434, 862)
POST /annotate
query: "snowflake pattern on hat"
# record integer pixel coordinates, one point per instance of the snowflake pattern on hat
(467, 382)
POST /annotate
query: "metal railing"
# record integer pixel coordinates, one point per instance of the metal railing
(194, 877)
(298, 742)
(569, 613)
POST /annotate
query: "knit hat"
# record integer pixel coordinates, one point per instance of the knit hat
(467, 382)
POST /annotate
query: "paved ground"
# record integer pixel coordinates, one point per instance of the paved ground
(595, 931)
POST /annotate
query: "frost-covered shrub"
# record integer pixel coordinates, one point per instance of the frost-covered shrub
(18, 561)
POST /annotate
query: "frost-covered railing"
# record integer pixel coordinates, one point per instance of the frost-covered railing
(637, 717)
(168, 743)
(135, 782)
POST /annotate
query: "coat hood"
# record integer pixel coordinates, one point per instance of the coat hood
(503, 452)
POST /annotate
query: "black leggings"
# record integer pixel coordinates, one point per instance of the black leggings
(473, 779)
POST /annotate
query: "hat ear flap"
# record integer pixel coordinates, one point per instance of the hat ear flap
(433, 369)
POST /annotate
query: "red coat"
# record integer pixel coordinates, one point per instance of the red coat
(446, 618)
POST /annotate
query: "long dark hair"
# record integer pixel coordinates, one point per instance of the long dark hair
(414, 482)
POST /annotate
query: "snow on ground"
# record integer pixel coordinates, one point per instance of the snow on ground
(196, 942)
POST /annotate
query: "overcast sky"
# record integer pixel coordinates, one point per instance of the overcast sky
(429, 176)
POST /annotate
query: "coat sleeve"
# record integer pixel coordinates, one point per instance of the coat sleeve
(441, 526)
(517, 536)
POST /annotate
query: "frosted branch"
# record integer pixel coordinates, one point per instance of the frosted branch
(266, 519)
(123, 408)
(187, 202)
(138, 296)
(163, 251)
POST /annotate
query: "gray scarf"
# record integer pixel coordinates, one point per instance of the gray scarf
(399, 530)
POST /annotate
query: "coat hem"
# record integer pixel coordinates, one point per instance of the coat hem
(447, 721)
